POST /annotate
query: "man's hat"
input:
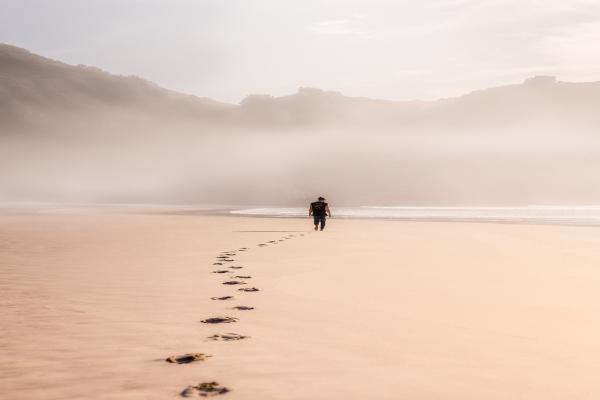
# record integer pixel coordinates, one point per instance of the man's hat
(321, 198)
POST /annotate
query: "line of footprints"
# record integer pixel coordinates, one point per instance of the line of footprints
(222, 262)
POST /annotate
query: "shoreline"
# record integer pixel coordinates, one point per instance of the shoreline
(213, 210)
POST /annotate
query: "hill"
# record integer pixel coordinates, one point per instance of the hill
(35, 91)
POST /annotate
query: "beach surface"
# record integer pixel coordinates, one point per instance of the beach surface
(92, 301)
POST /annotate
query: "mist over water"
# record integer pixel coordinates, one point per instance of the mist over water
(569, 215)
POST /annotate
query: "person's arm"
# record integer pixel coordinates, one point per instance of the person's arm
(310, 210)
(327, 211)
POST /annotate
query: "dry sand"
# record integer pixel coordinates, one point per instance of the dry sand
(92, 301)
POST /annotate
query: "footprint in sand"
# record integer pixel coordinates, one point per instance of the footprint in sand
(241, 277)
(187, 358)
(222, 298)
(252, 289)
(219, 320)
(221, 271)
(205, 389)
(218, 263)
(236, 267)
(234, 283)
(262, 244)
(243, 308)
(227, 337)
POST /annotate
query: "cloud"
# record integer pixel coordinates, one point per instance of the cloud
(341, 27)
(417, 30)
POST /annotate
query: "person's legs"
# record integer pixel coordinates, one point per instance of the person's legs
(316, 220)
(323, 222)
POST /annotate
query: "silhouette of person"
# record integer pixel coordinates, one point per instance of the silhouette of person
(319, 210)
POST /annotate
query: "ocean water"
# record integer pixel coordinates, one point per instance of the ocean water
(572, 215)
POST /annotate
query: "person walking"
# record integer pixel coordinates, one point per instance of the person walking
(319, 211)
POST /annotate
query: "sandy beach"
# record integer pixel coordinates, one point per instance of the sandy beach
(92, 301)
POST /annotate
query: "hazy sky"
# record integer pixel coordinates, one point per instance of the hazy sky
(227, 49)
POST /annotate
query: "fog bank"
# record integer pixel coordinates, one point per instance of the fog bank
(78, 134)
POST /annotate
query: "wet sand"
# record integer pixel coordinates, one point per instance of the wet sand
(92, 302)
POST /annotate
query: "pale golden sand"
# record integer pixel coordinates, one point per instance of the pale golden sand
(92, 301)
